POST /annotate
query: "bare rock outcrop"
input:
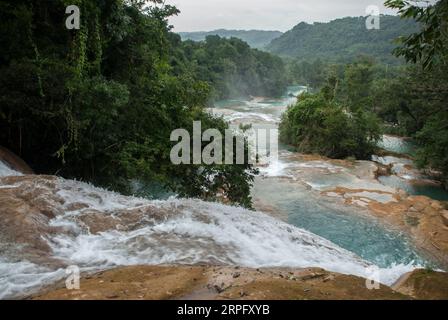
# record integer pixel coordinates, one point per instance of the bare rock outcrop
(219, 283)
(424, 285)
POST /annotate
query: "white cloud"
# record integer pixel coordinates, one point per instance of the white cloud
(204, 15)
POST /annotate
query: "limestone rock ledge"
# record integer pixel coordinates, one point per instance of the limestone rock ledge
(219, 283)
(423, 285)
(424, 220)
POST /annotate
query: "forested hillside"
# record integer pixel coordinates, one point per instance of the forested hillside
(342, 40)
(234, 69)
(258, 39)
(350, 101)
(99, 103)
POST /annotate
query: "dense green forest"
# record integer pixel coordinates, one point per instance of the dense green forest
(338, 121)
(100, 103)
(423, 91)
(257, 39)
(343, 40)
(354, 103)
(233, 68)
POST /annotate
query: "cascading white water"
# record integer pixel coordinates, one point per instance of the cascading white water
(20, 277)
(175, 231)
(6, 171)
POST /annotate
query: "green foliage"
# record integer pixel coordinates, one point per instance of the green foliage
(433, 139)
(358, 80)
(312, 74)
(411, 100)
(257, 39)
(424, 88)
(394, 93)
(100, 103)
(421, 111)
(234, 69)
(340, 120)
(429, 45)
(318, 125)
(343, 40)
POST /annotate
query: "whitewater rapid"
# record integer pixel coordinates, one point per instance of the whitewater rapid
(136, 231)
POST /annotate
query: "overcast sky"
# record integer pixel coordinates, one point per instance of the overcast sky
(207, 15)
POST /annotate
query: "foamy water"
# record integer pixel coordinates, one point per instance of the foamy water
(6, 171)
(176, 232)
(21, 278)
(179, 231)
(193, 231)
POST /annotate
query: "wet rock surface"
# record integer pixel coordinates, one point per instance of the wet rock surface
(220, 283)
(26, 206)
(52, 223)
(424, 285)
(353, 186)
(422, 218)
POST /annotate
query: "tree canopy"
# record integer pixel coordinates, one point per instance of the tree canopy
(338, 121)
(257, 39)
(99, 103)
(343, 40)
(234, 69)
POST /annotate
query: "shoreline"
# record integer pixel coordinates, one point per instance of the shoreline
(235, 283)
(48, 181)
(423, 220)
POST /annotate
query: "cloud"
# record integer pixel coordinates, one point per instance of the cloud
(204, 15)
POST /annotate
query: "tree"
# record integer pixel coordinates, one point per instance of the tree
(430, 44)
(318, 125)
(428, 80)
(343, 40)
(233, 69)
(99, 103)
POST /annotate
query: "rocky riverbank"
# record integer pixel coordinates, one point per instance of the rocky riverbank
(354, 186)
(223, 283)
(48, 223)
(423, 219)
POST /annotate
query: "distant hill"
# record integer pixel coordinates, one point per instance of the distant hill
(342, 40)
(255, 38)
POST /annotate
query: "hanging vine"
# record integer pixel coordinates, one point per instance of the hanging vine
(37, 58)
(96, 46)
(79, 60)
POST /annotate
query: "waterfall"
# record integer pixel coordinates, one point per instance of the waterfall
(97, 229)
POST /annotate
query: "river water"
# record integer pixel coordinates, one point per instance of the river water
(293, 187)
(410, 180)
(136, 231)
(310, 228)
